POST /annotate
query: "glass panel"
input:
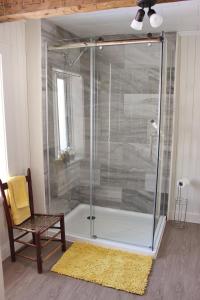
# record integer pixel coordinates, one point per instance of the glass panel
(166, 113)
(126, 142)
(69, 134)
(103, 132)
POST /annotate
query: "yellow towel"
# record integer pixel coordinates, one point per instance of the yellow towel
(18, 199)
(17, 187)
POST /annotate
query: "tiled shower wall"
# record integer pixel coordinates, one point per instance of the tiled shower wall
(124, 169)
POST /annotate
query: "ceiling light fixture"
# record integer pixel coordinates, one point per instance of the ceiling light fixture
(155, 19)
(137, 23)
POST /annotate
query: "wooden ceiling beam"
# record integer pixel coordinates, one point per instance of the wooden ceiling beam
(12, 10)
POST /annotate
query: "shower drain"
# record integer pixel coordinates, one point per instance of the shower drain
(93, 218)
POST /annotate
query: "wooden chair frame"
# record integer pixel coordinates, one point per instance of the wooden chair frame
(37, 237)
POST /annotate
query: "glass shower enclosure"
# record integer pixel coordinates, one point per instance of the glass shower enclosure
(106, 133)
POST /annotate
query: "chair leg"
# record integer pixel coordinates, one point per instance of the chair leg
(62, 226)
(33, 236)
(12, 245)
(38, 251)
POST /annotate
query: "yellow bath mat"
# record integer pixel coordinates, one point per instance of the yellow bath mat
(108, 267)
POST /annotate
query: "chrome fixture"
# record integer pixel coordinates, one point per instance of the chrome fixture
(89, 44)
(181, 204)
(137, 23)
(155, 19)
(154, 124)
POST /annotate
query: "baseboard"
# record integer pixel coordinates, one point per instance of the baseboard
(5, 248)
(5, 251)
(193, 218)
(190, 217)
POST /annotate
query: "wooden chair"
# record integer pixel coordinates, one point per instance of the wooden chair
(37, 225)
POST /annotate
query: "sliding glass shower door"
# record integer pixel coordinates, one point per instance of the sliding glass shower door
(104, 139)
(125, 114)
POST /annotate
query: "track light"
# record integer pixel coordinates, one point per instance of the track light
(155, 19)
(137, 23)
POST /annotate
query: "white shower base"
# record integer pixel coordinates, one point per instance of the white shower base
(127, 230)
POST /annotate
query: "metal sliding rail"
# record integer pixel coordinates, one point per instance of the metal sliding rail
(100, 43)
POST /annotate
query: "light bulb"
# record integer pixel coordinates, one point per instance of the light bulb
(156, 20)
(136, 25)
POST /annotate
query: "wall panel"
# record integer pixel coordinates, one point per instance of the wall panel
(187, 144)
(12, 48)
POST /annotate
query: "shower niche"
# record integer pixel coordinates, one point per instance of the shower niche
(109, 113)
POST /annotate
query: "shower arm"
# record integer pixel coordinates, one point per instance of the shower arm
(99, 43)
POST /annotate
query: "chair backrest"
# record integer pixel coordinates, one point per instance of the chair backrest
(4, 187)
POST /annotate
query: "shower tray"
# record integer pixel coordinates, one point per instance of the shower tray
(125, 230)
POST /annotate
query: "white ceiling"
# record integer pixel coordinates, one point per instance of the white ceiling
(179, 16)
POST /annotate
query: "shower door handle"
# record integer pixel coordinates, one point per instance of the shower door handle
(153, 135)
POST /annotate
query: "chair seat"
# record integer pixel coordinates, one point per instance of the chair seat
(38, 223)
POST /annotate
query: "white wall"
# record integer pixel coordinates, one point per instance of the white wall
(12, 48)
(12, 43)
(34, 89)
(186, 156)
(20, 45)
